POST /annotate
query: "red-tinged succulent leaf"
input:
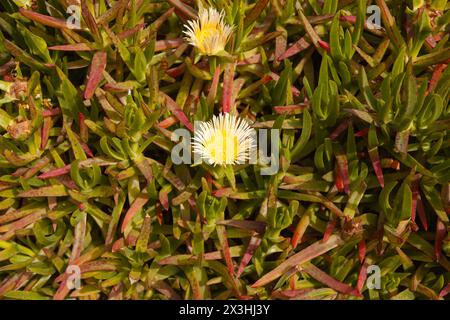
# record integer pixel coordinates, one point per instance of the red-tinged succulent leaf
(89, 19)
(176, 71)
(389, 24)
(68, 183)
(328, 280)
(177, 111)
(376, 164)
(6, 68)
(427, 292)
(79, 237)
(441, 232)
(45, 132)
(118, 244)
(130, 32)
(159, 214)
(280, 45)
(254, 226)
(266, 79)
(46, 20)
(340, 129)
(168, 122)
(342, 168)
(350, 19)
(256, 58)
(84, 134)
(189, 258)
(318, 198)
(338, 180)
(183, 8)
(137, 205)
(118, 87)
(254, 243)
(292, 283)
(51, 112)
(362, 276)
(98, 65)
(145, 168)
(48, 191)
(87, 150)
(214, 85)
(164, 199)
(12, 215)
(329, 230)
(116, 292)
(166, 290)
(313, 36)
(316, 249)
(24, 278)
(73, 47)
(430, 41)
(163, 18)
(113, 12)
(435, 77)
(62, 292)
(227, 90)
(224, 192)
(256, 11)
(38, 166)
(362, 133)
(291, 109)
(98, 265)
(324, 45)
(55, 172)
(422, 215)
(362, 250)
(290, 294)
(162, 45)
(300, 45)
(445, 291)
(9, 283)
(223, 239)
(300, 230)
(11, 228)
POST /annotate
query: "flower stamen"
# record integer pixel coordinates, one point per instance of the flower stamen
(209, 33)
(224, 140)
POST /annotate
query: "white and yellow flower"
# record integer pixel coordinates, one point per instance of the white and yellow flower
(209, 33)
(224, 140)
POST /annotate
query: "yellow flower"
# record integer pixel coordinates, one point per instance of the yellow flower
(209, 33)
(224, 140)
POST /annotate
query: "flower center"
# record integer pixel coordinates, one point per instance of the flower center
(222, 147)
(205, 35)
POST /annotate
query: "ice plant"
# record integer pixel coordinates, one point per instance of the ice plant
(357, 119)
(224, 140)
(209, 33)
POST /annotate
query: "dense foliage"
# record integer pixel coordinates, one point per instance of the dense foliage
(87, 182)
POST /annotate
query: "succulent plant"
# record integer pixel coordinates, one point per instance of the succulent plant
(91, 95)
